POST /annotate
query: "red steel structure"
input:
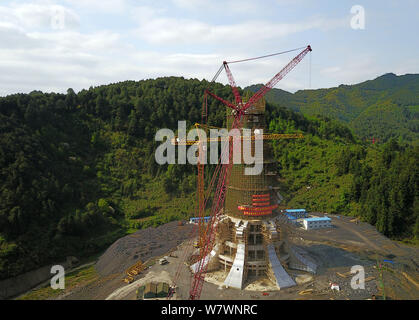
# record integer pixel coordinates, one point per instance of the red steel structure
(224, 173)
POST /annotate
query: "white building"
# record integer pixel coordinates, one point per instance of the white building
(316, 223)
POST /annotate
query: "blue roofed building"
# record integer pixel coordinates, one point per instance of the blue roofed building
(297, 213)
(290, 217)
(195, 220)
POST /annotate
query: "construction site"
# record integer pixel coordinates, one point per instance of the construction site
(391, 269)
(244, 243)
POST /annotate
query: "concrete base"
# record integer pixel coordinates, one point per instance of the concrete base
(235, 277)
(212, 257)
(283, 279)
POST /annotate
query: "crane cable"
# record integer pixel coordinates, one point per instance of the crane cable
(265, 56)
(218, 73)
(250, 59)
(309, 71)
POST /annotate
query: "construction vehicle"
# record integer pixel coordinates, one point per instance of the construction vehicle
(133, 271)
(305, 292)
(128, 279)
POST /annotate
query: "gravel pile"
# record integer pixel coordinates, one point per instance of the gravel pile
(346, 290)
(142, 245)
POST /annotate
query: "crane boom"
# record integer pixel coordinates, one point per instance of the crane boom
(227, 103)
(281, 74)
(232, 84)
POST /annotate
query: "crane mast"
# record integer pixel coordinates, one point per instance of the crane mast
(224, 174)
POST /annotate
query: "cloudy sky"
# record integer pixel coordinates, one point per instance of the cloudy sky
(51, 45)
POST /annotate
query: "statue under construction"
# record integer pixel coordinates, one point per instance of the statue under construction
(252, 234)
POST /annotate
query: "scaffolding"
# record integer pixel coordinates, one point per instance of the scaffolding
(245, 192)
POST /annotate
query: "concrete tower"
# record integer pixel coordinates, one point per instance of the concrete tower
(251, 232)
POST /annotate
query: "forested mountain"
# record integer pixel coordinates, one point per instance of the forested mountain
(384, 108)
(77, 171)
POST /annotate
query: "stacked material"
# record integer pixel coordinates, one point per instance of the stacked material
(142, 245)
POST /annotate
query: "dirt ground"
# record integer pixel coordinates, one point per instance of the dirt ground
(335, 250)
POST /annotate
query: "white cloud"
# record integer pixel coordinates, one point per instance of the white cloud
(406, 66)
(164, 42)
(357, 68)
(214, 6)
(143, 13)
(36, 16)
(34, 56)
(330, 70)
(106, 6)
(247, 7)
(185, 31)
(12, 37)
(76, 42)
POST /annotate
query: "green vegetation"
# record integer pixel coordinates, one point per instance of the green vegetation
(78, 278)
(330, 171)
(384, 108)
(78, 170)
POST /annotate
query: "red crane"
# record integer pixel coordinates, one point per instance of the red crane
(224, 174)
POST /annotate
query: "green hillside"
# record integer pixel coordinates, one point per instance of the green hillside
(78, 170)
(384, 108)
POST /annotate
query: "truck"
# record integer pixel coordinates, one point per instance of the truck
(163, 261)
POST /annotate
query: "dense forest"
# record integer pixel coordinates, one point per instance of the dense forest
(384, 108)
(78, 170)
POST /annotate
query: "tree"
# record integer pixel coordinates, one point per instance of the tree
(71, 99)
